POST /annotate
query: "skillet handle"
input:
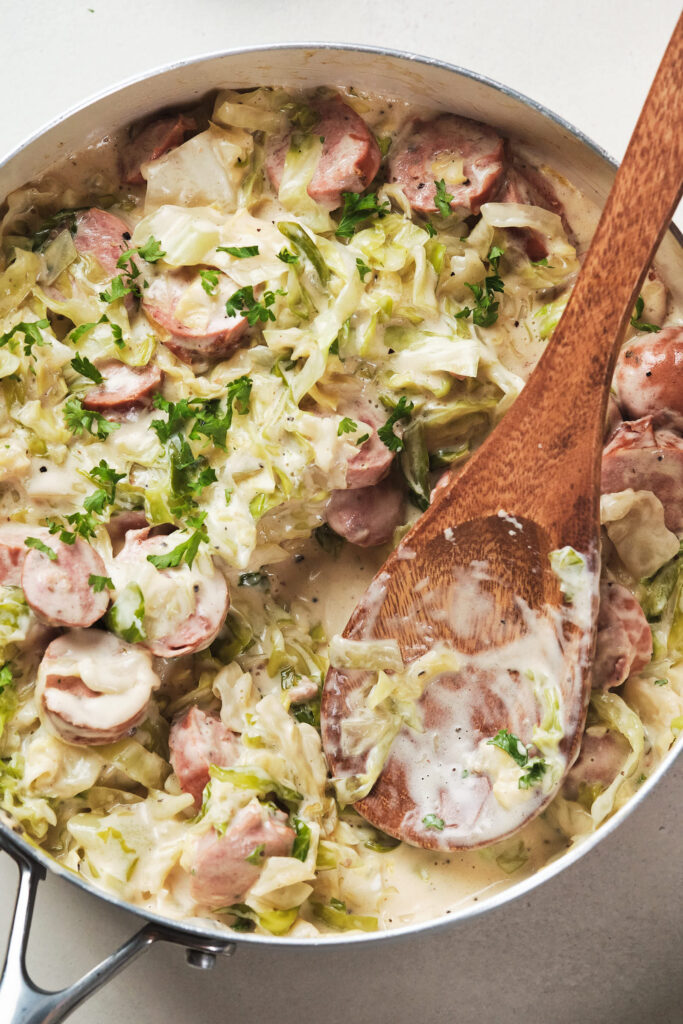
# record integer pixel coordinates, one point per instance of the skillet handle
(24, 1002)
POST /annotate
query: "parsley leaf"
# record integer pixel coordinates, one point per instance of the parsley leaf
(642, 325)
(257, 855)
(243, 301)
(79, 419)
(104, 474)
(82, 365)
(178, 415)
(96, 502)
(510, 744)
(240, 252)
(98, 583)
(443, 199)
(151, 251)
(209, 280)
(485, 311)
(214, 425)
(126, 283)
(346, 426)
(31, 332)
(302, 842)
(287, 257)
(358, 208)
(34, 542)
(434, 821)
(386, 433)
(118, 290)
(184, 552)
(363, 268)
(429, 228)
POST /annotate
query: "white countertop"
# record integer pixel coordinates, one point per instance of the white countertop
(599, 943)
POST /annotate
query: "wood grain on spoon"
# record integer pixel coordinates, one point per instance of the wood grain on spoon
(541, 467)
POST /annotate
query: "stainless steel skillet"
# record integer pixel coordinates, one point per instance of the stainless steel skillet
(305, 65)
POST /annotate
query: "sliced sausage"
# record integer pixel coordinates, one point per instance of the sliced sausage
(624, 640)
(525, 184)
(58, 590)
(221, 874)
(211, 599)
(372, 461)
(102, 235)
(93, 687)
(600, 760)
(123, 386)
(349, 160)
(366, 516)
(197, 740)
(216, 338)
(646, 459)
(448, 147)
(155, 139)
(649, 376)
(13, 550)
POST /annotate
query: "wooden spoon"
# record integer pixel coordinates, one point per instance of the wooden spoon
(474, 572)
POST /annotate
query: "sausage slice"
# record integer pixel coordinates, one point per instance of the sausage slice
(525, 184)
(372, 461)
(624, 640)
(196, 741)
(349, 160)
(221, 873)
(649, 376)
(94, 688)
(123, 386)
(156, 138)
(449, 148)
(600, 759)
(210, 593)
(101, 234)
(58, 590)
(367, 516)
(646, 459)
(216, 338)
(13, 550)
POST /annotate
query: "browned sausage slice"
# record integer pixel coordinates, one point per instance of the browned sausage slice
(649, 376)
(373, 460)
(366, 516)
(94, 688)
(102, 235)
(624, 641)
(123, 386)
(13, 550)
(221, 873)
(349, 160)
(430, 151)
(640, 457)
(58, 590)
(197, 740)
(155, 139)
(525, 184)
(211, 598)
(600, 759)
(221, 334)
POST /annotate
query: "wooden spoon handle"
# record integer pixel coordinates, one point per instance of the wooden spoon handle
(638, 211)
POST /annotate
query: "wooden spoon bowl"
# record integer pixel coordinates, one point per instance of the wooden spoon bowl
(474, 573)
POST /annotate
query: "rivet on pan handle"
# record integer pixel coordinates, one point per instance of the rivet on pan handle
(24, 1002)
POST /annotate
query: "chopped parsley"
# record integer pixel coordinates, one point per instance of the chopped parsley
(31, 332)
(209, 280)
(346, 426)
(178, 415)
(243, 301)
(642, 325)
(363, 268)
(184, 552)
(443, 199)
(126, 283)
(78, 332)
(213, 423)
(98, 583)
(257, 855)
(429, 228)
(302, 842)
(96, 502)
(358, 208)
(434, 821)
(485, 311)
(401, 411)
(240, 252)
(79, 419)
(82, 365)
(104, 474)
(34, 542)
(287, 257)
(510, 744)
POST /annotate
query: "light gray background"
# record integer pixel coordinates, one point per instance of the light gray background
(601, 943)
